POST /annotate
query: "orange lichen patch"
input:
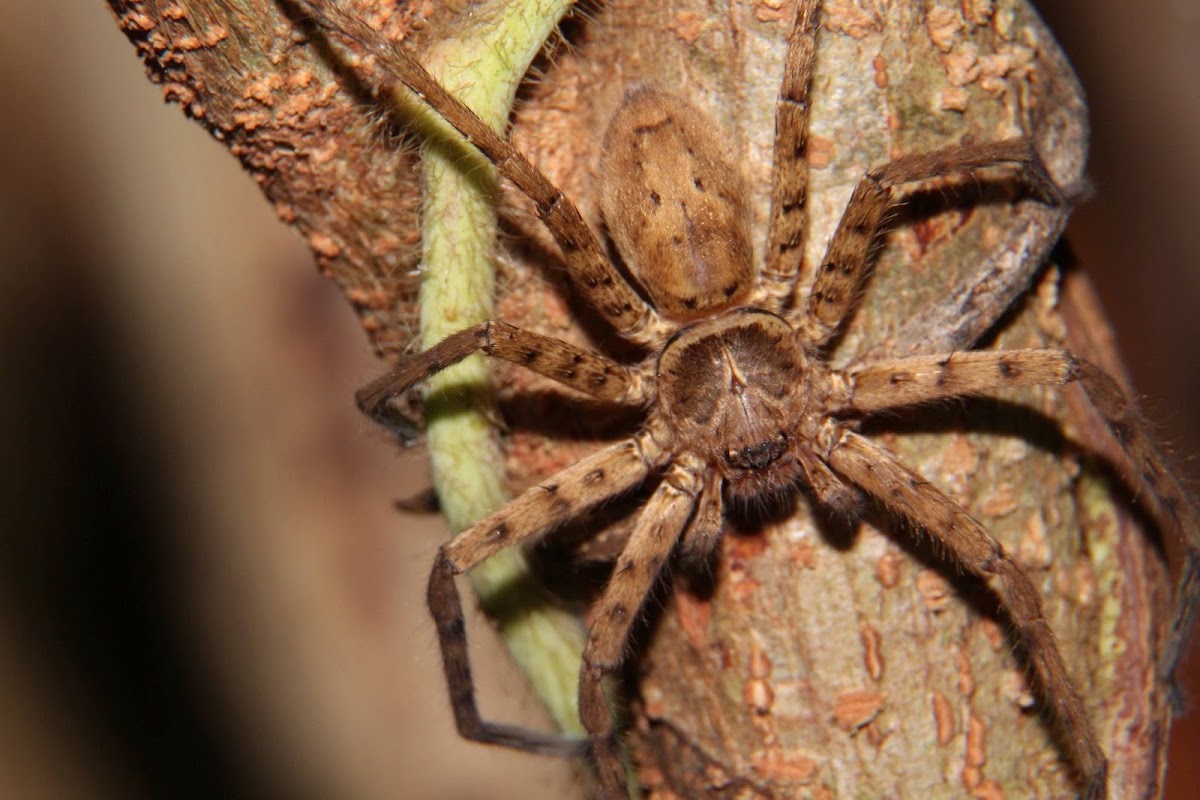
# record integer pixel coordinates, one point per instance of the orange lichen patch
(820, 151)
(962, 65)
(887, 570)
(879, 64)
(386, 244)
(769, 10)
(872, 644)
(960, 458)
(263, 90)
(1002, 24)
(954, 98)
(356, 296)
(715, 775)
(855, 709)
(305, 101)
(943, 718)
(934, 590)
(966, 679)
(285, 212)
(188, 43)
(695, 617)
(1034, 550)
(653, 702)
(976, 755)
(744, 589)
(995, 67)
(988, 790)
(849, 18)
(774, 764)
(1000, 501)
(157, 42)
(921, 235)
(687, 25)
(178, 93)
(803, 554)
(214, 35)
(300, 80)
(323, 155)
(742, 549)
(323, 244)
(136, 21)
(374, 299)
(652, 778)
(995, 635)
(725, 652)
(759, 665)
(979, 12)
(531, 450)
(758, 696)
(971, 777)
(943, 26)
(252, 122)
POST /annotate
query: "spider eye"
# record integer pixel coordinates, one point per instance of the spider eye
(757, 456)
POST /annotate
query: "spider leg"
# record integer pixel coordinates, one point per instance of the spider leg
(572, 366)
(655, 534)
(831, 490)
(572, 491)
(848, 257)
(879, 472)
(594, 277)
(789, 173)
(704, 532)
(912, 380)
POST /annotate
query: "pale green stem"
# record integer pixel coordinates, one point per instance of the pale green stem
(483, 66)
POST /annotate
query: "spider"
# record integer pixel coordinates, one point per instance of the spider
(739, 401)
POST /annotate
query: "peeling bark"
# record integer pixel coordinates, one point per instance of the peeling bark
(821, 661)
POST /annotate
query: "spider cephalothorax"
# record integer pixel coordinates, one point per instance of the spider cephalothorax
(739, 403)
(733, 393)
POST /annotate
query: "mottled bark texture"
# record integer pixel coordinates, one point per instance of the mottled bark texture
(818, 659)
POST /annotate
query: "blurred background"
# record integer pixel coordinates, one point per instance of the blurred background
(196, 520)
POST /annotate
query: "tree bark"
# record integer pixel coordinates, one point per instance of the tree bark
(819, 661)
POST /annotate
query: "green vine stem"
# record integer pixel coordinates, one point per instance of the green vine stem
(483, 66)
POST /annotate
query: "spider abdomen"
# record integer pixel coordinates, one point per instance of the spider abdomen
(675, 208)
(731, 389)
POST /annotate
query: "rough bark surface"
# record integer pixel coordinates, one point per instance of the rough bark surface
(818, 661)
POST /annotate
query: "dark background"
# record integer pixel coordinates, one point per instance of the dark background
(1139, 237)
(179, 435)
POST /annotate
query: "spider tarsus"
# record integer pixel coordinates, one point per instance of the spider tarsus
(610, 767)
(423, 502)
(1186, 607)
(597, 718)
(529, 741)
(1096, 782)
(445, 607)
